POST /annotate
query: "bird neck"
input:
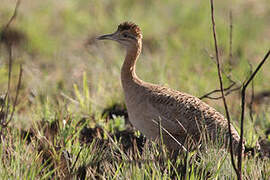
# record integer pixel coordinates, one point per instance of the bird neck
(128, 74)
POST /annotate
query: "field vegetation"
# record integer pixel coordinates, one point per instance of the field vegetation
(69, 120)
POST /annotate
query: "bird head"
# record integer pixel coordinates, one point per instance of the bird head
(127, 34)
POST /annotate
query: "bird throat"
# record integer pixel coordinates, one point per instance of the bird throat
(128, 74)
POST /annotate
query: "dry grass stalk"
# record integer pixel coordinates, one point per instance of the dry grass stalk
(243, 96)
(221, 84)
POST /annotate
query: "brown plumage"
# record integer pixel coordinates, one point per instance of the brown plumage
(183, 117)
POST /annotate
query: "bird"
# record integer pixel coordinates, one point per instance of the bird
(180, 120)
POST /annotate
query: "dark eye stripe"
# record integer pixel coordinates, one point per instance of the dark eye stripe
(132, 37)
(129, 36)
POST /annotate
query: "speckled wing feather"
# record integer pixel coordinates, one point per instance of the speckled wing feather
(189, 111)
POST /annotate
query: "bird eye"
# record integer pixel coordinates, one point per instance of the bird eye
(125, 35)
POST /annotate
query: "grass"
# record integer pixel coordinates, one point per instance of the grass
(69, 79)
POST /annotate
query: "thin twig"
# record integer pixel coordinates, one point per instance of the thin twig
(207, 95)
(221, 85)
(10, 62)
(227, 90)
(225, 93)
(16, 97)
(250, 105)
(231, 42)
(243, 109)
(12, 17)
(227, 76)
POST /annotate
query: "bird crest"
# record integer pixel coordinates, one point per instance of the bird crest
(132, 27)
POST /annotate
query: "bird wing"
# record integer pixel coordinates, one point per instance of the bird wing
(184, 114)
(182, 111)
(178, 111)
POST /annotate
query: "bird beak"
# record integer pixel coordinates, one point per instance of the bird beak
(106, 36)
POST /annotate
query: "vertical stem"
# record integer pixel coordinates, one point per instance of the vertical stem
(230, 50)
(17, 94)
(243, 110)
(221, 85)
(10, 61)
